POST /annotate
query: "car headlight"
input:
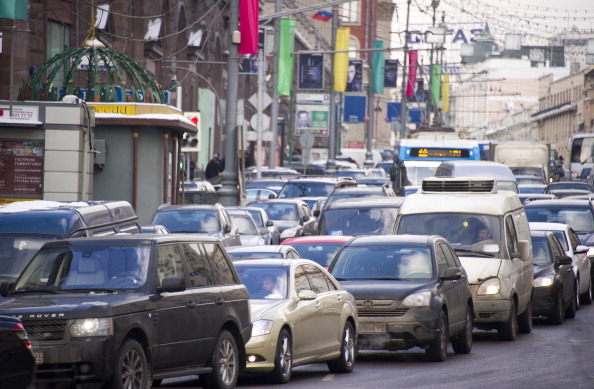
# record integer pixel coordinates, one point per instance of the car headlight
(421, 299)
(262, 327)
(288, 233)
(83, 328)
(544, 281)
(488, 287)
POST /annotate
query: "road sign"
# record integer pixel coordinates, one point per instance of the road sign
(265, 122)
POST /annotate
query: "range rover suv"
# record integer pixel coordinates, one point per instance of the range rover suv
(127, 309)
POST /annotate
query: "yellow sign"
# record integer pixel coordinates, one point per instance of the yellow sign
(121, 109)
(8, 200)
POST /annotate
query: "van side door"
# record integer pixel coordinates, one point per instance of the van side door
(520, 273)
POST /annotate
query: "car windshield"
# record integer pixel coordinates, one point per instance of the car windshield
(190, 221)
(254, 255)
(541, 251)
(86, 267)
(257, 216)
(358, 221)
(562, 239)
(306, 189)
(460, 229)
(383, 262)
(16, 250)
(321, 253)
(244, 224)
(580, 219)
(264, 282)
(279, 211)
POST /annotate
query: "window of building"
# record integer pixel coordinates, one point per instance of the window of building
(57, 42)
(350, 12)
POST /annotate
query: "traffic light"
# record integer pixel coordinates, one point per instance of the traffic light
(190, 141)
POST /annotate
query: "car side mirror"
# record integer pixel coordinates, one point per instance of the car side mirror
(523, 250)
(307, 294)
(227, 228)
(269, 223)
(581, 249)
(316, 213)
(172, 284)
(5, 288)
(271, 196)
(452, 274)
(563, 260)
(305, 218)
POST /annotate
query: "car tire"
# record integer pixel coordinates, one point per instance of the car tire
(438, 350)
(577, 293)
(525, 319)
(462, 343)
(346, 361)
(224, 363)
(559, 313)
(509, 330)
(571, 310)
(586, 297)
(283, 359)
(131, 368)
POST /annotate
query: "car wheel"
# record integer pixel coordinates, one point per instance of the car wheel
(438, 350)
(509, 330)
(131, 369)
(283, 359)
(572, 308)
(557, 316)
(586, 298)
(525, 320)
(224, 363)
(346, 361)
(462, 343)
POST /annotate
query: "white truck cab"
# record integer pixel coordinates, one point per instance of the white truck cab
(489, 231)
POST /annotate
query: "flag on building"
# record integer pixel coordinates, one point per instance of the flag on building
(413, 56)
(324, 16)
(249, 12)
(341, 60)
(378, 68)
(285, 57)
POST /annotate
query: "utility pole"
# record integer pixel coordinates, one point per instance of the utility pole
(331, 163)
(229, 193)
(278, 6)
(403, 108)
(370, 111)
(260, 116)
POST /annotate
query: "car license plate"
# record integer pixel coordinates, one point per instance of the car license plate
(38, 358)
(372, 328)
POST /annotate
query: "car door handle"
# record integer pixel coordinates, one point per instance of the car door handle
(220, 300)
(318, 304)
(339, 297)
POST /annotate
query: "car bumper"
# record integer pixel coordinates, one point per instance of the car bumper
(418, 327)
(490, 311)
(544, 301)
(79, 360)
(262, 350)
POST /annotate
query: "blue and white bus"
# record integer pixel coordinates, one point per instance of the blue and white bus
(416, 159)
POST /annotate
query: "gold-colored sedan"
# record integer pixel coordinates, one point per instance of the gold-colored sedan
(300, 315)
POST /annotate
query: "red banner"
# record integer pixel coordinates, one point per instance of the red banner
(248, 26)
(411, 86)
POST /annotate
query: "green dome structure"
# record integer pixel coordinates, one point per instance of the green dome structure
(93, 73)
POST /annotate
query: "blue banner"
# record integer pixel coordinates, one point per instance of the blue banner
(354, 109)
(414, 115)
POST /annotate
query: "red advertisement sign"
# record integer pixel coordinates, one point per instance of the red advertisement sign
(21, 168)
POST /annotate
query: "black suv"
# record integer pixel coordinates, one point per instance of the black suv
(128, 309)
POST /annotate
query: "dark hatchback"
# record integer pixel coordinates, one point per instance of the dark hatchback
(555, 296)
(161, 306)
(578, 214)
(410, 290)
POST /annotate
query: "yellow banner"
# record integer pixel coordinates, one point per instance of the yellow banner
(341, 60)
(445, 93)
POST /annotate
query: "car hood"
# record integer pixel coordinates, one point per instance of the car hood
(542, 270)
(284, 224)
(383, 289)
(251, 240)
(479, 269)
(260, 308)
(71, 306)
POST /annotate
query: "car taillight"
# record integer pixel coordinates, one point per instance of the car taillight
(22, 334)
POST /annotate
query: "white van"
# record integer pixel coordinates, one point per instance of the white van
(489, 231)
(468, 168)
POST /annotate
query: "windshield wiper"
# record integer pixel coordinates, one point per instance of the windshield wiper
(89, 290)
(25, 290)
(475, 253)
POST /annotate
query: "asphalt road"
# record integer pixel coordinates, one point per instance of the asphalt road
(551, 356)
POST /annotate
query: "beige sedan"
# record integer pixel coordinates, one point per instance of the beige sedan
(300, 315)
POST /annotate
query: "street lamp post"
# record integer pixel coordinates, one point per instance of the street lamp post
(229, 192)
